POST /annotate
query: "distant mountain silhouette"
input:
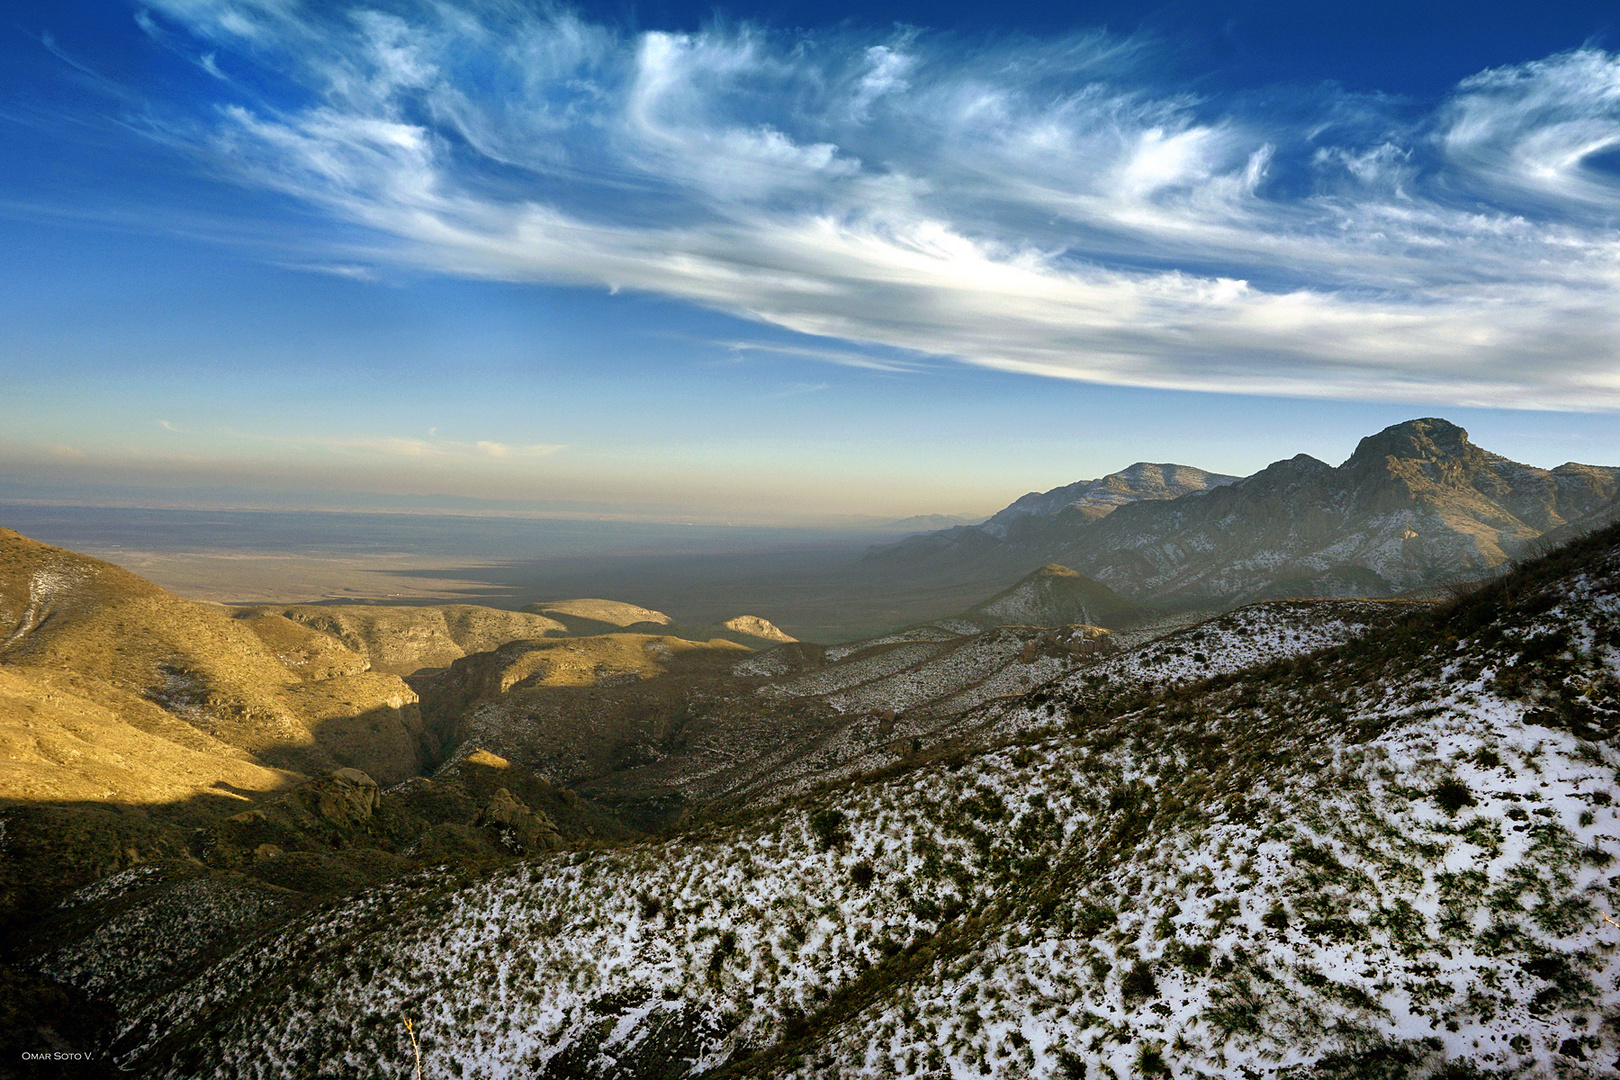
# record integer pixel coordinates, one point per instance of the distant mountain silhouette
(1415, 504)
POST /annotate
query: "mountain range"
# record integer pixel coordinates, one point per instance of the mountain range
(1416, 504)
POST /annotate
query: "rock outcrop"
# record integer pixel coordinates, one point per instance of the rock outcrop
(525, 829)
(349, 796)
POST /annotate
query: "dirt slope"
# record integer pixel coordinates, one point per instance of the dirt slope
(110, 676)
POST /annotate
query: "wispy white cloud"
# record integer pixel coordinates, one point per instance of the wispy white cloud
(344, 270)
(841, 357)
(433, 449)
(1032, 206)
(1534, 130)
(798, 389)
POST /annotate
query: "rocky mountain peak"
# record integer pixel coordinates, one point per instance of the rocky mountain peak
(1143, 480)
(1288, 471)
(1430, 440)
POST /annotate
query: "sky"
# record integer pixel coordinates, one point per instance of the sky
(789, 262)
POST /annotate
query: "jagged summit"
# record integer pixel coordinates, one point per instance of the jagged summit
(1097, 498)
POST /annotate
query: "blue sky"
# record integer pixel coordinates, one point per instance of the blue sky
(790, 262)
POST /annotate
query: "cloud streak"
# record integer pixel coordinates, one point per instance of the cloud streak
(433, 449)
(1040, 207)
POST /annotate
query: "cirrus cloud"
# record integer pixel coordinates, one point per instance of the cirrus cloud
(1034, 206)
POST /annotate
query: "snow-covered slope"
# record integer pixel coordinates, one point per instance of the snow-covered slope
(1377, 860)
(990, 702)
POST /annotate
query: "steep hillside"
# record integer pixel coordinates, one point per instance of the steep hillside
(1054, 596)
(115, 690)
(1601, 518)
(1415, 504)
(1396, 857)
(952, 695)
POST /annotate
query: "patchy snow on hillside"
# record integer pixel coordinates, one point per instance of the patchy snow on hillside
(154, 932)
(967, 663)
(1252, 635)
(1278, 876)
(1349, 909)
(975, 689)
(884, 661)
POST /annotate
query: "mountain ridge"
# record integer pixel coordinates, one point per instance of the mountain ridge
(1414, 504)
(1097, 498)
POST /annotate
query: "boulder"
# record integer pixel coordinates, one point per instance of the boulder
(348, 795)
(529, 829)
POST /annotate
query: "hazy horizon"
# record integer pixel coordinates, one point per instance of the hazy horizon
(97, 486)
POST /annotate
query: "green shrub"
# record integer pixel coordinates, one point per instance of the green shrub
(830, 829)
(1138, 983)
(1452, 795)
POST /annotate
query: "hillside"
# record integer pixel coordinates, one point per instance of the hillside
(1415, 504)
(404, 640)
(1054, 596)
(117, 690)
(1229, 852)
(130, 717)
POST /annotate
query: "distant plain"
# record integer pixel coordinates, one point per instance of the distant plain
(805, 580)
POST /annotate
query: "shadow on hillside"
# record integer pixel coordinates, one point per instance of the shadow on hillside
(158, 892)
